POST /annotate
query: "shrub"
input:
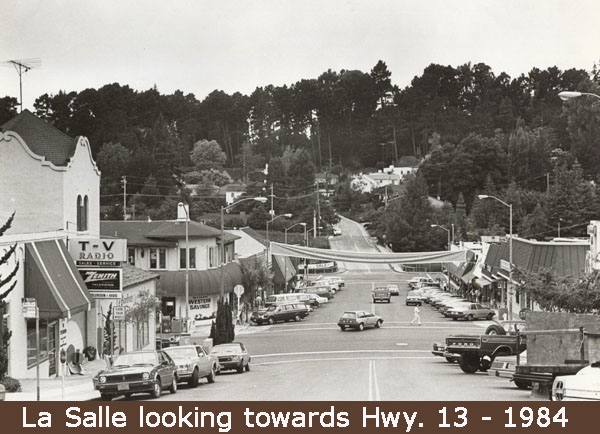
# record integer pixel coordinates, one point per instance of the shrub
(11, 384)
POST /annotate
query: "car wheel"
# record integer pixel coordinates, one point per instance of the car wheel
(490, 316)
(211, 377)
(469, 317)
(173, 387)
(378, 324)
(240, 368)
(495, 329)
(106, 397)
(343, 328)
(522, 385)
(469, 363)
(157, 389)
(127, 395)
(454, 319)
(361, 326)
(248, 367)
(389, 300)
(297, 318)
(271, 321)
(195, 379)
(450, 359)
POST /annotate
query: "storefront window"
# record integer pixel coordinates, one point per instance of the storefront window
(192, 258)
(31, 343)
(213, 259)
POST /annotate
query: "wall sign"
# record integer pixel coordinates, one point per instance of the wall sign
(103, 282)
(197, 303)
(96, 249)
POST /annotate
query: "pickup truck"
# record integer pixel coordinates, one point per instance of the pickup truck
(478, 352)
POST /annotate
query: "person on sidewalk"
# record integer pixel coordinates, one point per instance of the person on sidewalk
(417, 317)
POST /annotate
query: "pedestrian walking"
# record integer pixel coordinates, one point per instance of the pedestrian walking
(417, 317)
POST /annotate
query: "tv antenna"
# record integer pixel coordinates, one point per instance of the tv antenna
(22, 66)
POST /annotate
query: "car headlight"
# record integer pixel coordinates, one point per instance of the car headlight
(102, 379)
(145, 375)
(236, 357)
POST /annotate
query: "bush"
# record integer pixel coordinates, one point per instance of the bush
(11, 384)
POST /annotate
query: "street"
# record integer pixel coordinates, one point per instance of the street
(314, 360)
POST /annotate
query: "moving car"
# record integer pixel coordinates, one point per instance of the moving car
(394, 289)
(470, 311)
(359, 320)
(280, 312)
(232, 356)
(583, 386)
(381, 293)
(192, 364)
(137, 372)
(413, 298)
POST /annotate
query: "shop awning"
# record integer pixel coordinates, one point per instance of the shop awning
(201, 283)
(468, 276)
(281, 265)
(53, 280)
(487, 276)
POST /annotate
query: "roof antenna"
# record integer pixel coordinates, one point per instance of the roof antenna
(22, 66)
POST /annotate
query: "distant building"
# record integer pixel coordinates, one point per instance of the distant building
(367, 182)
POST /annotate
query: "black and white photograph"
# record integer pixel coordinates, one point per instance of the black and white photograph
(299, 200)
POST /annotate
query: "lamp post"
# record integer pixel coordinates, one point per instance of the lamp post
(570, 94)
(223, 209)
(187, 267)
(288, 215)
(285, 241)
(510, 251)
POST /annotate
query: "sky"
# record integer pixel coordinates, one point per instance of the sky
(198, 46)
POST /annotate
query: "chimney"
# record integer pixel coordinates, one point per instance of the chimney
(183, 212)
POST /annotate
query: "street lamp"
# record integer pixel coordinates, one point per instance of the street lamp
(447, 230)
(285, 240)
(288, 215)
(569, 94)
(187, 260)
(223, 209)
(510, 251)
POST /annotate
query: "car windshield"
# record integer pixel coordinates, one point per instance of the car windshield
(271, 308)
(349, 315)
(135, 359)
(181, 353)
(271, 299)
(226, 349)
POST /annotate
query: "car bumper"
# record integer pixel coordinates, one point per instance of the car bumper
(502, 373)
(228, 366)
(454, 315)
(122, 388)
(409, 302)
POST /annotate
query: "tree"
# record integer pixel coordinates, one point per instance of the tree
(113, 159)
(224, 331)
(208, 155)
(5, 282)
(110, 335)
(255, 275)
(139, 313)
(8, 108)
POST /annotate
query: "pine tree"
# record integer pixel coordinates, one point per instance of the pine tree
(108, 327)
(4, 281)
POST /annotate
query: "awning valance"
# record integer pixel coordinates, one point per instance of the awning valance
(369, 257)
(201, 283)
(53, 280)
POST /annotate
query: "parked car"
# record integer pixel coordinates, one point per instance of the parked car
(308, 300)
(419, 281)
(470, 311)
(232, 356)
(332, 280)
(321, 291)
(318, 300)
(505, 367)
(452, 303)
(280, 312)
(337, 232)
(192, 364)
(413, 298)
(583, 386)
(359, 320)
(381, 293)
(137, 372)
(394, 289)
(280, 299)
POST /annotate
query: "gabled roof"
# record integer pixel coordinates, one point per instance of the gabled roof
(258, 237)
(133, 276)
(42, 138)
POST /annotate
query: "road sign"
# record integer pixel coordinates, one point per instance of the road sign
(29, 308)
(239, 290)
(119, 313)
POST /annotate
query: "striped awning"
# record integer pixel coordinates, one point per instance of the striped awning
(201, 283)
(53, 280)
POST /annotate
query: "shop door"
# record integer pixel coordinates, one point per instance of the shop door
(168, 306)
(52, 349)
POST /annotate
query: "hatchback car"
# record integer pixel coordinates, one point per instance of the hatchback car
(359, 320)
(137, 372)
(233, 356)
(192, 364)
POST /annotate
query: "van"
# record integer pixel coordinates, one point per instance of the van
(280, 299)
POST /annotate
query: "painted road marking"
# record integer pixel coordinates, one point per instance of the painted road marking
(282, 362)
(373, 383)
(401, 344)
(305, 353)
(308, 329)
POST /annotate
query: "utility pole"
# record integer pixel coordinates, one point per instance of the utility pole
(22, 66)
(547, 183)
(314, 224)
(395, 145)
(386, 197)
(272, 212)
(124, 180)
(318, 208)
(330, 159)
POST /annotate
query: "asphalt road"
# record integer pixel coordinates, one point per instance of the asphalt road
(314, 360)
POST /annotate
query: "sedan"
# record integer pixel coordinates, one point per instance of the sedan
(470, 312)
(192, 364)
(413, 298)
(233, 356)
(137, 372)
(394, 289)
(359, 320)
(583, 386)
